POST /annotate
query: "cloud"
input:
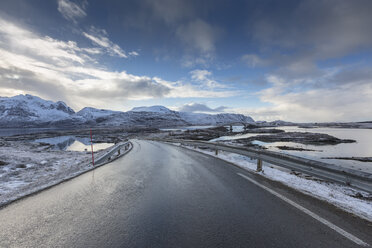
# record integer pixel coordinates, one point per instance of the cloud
(199, 35)
(201, 108)
(200, 38)
(180, 26)
(307, 48)
(171, 11)
(62, 70)
(315, 30)
(71, 11)
(45, 48)
(334, 95)
(181, 89)
(296, 39)
(99, 37)
(253, 60)
(204, 77)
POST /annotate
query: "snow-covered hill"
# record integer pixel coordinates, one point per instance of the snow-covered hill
(93, 113)
(198, 118)
(28, 110)
(218, 119)
(153, 109)
(32, 111)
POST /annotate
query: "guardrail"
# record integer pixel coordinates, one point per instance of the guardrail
(333, 173)
(117, 148)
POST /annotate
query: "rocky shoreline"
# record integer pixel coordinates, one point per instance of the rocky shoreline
(360, 159)
(263, 135)
(306, 138)
(290, 148)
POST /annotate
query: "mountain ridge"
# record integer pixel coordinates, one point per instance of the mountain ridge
(31, 111)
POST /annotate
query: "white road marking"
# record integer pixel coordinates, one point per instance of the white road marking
(308, 212)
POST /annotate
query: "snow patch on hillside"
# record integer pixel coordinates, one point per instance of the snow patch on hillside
(93, 113)
(217, 119)
(156, 109)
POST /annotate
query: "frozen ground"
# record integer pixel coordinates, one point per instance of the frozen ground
(26, 167)
(346, 198)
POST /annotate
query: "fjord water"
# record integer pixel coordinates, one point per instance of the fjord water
(361, 148)
(4, 132)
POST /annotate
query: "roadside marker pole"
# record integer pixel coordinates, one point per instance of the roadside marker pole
(259, 165)
(91, 145)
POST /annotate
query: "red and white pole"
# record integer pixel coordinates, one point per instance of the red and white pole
(91, 144)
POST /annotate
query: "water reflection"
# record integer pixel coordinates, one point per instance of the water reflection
(72, 143)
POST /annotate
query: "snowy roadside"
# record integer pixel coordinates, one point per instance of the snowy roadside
(27, 167)
(343, 197)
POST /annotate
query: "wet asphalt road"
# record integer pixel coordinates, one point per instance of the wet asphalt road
(164, 196)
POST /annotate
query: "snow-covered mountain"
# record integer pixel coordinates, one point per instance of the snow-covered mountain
(198, 118)
(275, 123)
(153, 109)
(218, 119)
(94, 116)
(32, 111)
(28, 110)
(92, 113)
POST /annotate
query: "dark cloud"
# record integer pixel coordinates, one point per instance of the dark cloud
(200, 107)
(293, 37)
(353, 75)
(182, 27)
(322, 29)
(19, 79)
(127, 88)
(171, 11)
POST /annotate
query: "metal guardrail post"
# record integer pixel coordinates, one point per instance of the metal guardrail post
(259, 165)
(347, 181)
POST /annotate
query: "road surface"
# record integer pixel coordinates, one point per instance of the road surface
(160, 195)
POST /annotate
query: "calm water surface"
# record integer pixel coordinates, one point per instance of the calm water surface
(72, 143)
(18, 131)
(362, 147)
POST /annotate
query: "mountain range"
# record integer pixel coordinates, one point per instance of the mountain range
(31, 111)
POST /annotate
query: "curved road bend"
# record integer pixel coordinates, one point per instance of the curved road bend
(159, 195)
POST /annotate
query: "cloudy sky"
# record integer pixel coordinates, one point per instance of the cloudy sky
(292, 60)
